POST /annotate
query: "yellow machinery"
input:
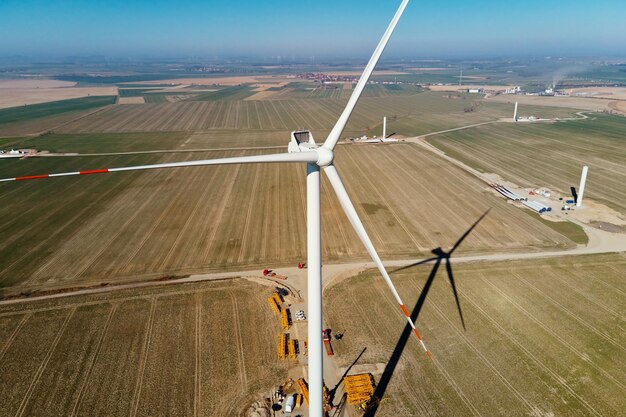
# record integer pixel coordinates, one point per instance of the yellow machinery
(284, 318)
(274, 306)
(304, 388)
(278, 298)
(299, 399)
(292, 349)
(359, 388)
(282, 346)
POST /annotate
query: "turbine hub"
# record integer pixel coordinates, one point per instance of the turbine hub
(325, 156)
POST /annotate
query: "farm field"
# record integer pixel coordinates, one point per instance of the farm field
(549, 155)
(543, 338)
(37, 118)
(417, 114)
(21, 92)
(184, 350)
(126, 226)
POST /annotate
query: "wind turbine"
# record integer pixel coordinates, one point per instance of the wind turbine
(303, 149)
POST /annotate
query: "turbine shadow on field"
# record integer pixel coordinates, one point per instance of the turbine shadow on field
(440, 256)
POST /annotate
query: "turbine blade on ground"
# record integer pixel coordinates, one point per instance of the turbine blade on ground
(281, 157)
(456, 295)
(335, 134)
(348, 208)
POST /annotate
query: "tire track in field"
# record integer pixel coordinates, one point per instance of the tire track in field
(102, 246)
(559, 379)
(183, 231)
(81, 390)
(155, 222)
(611, 286)
(240, 354)
(11, 338)
(533, 410)
(20, 411)
(61, 228)
(220, 212)
(564, 342)
(198, 355)
(457, 388)
(143, 359)
(591, 300)
(251, 205)
(591, 327)
(384, 201)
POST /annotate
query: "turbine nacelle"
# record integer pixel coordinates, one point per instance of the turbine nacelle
(303, 141)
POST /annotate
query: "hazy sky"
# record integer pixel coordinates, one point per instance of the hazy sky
(347, 28)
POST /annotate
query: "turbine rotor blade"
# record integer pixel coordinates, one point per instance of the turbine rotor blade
(348, 208)
(333, 136)
(310, 157)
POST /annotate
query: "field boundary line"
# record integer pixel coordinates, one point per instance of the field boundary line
(79, 398)
(11, 338)
(20, 411)
(143, 359)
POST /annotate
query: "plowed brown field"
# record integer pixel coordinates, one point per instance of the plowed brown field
(192, 350)
(122, 226)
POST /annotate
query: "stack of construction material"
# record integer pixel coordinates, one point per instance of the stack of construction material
(283, 349)
(506, 192)
(359, 388)
(292, 349)
(536, 206)
(273, 305)
(285, 318)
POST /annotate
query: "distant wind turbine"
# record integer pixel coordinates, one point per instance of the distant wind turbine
(303, 149)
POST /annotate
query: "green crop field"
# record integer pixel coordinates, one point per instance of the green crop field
(38, 117)
(543, 338)
(549, 155)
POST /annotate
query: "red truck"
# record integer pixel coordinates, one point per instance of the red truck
(327, 345)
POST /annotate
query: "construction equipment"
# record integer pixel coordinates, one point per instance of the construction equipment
(285, 318)
(274, 305)
(359, 388)
(304, 389)
(299, 399)
(293, 350)
(270, 274)
(279, 298)
(282, 346)
(327, 345)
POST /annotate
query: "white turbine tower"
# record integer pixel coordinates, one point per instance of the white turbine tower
(303, 149)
